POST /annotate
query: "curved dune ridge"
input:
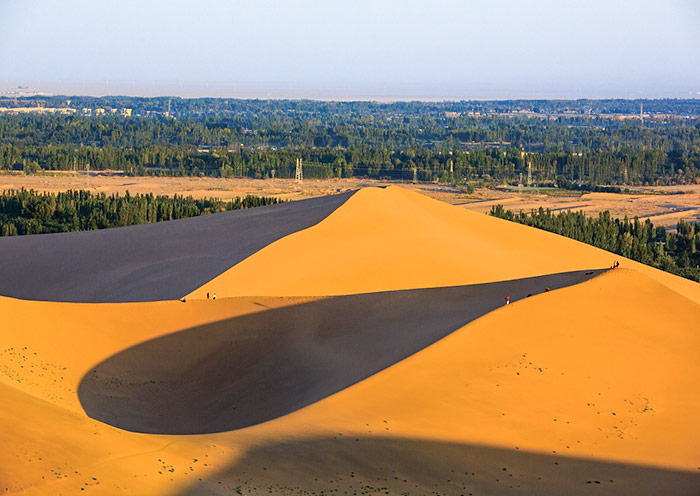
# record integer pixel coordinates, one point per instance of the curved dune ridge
(374, 356)
(392, 239)
(147, 262)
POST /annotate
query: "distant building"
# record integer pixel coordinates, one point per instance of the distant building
(36, 110)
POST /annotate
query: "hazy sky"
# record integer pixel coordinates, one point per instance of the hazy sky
(358, 48)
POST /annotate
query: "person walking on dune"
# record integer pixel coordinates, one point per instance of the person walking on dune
(507, 300)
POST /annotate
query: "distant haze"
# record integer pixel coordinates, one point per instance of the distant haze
(393, 49)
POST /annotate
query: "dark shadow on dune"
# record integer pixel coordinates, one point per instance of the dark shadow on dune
(148, 262)
(350, 465)
(253, 368)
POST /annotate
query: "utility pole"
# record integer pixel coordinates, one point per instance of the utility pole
(641, 113)
(299, 175)
(529, 174)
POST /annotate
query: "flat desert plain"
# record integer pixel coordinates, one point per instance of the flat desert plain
(369, 353)
(664, 205)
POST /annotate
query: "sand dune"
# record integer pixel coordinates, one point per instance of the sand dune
(253, 368)
(540, 397)
(625, 363)
(412, 378)
(162, 261)
(391, 239)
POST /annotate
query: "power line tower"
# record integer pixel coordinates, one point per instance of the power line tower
(299, 175)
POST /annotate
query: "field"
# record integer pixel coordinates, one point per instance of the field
(664, 205)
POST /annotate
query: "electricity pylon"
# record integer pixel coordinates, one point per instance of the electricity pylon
(299, 175)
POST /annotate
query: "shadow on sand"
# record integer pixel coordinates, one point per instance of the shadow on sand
(253, 368)
(350, 465)
(148, 262)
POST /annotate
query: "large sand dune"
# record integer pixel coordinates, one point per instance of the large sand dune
(540, 397)
(411, 378)
(391, 239)
(253, 368)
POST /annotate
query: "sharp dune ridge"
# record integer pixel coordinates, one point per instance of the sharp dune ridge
(368, 352)
(392, 239)
(147, 262)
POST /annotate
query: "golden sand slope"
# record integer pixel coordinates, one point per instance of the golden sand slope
(548, 395)
(388, 239)
(597, 370)
(555, 382)
(619, 385)
(47, 439)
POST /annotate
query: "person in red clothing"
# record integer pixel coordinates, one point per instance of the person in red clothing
(507, 300)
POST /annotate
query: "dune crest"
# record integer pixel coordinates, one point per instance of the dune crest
(390, 239)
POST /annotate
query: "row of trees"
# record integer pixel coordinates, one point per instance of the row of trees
(397, 132)
(678, 253)
(182, 107)
(509, 165)
(30, 212)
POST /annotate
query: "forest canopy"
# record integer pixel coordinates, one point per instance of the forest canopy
(550, 141)
(30, 212)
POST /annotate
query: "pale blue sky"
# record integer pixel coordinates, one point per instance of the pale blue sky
(359, 48)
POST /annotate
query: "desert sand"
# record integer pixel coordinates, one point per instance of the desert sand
(368, 353)
(390, 239)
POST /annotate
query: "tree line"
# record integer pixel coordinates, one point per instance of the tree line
(622, 167)
(678, 253)
(425, 141)
(182, 107)
(31, 212)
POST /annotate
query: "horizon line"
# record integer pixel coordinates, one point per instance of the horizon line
(220, 90)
